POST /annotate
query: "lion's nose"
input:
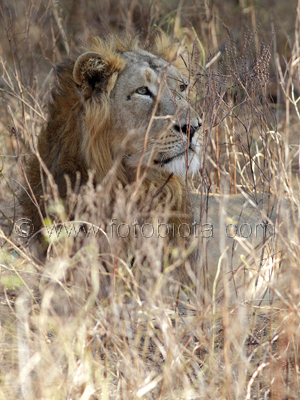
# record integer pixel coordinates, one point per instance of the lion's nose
(189, 129)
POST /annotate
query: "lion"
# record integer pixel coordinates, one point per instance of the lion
(120, 115)
(120, 118)
(117, 105)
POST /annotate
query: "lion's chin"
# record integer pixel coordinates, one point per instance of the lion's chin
(179, 166)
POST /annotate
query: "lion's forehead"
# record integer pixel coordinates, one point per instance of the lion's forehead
(142, 65)
(142, 57)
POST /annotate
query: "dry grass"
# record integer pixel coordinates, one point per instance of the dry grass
(58, 338)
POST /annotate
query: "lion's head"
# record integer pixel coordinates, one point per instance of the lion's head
(118, 105)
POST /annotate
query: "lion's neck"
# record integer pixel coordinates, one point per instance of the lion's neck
(168, 194)
(154, 193)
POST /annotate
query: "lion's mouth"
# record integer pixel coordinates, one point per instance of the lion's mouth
(164, 161)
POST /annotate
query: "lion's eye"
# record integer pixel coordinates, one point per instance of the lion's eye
(142, 90)
(182, 87)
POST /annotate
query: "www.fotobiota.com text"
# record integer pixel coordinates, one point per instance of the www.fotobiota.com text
(24, 228)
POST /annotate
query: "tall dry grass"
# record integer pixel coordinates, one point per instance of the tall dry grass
(59, 339)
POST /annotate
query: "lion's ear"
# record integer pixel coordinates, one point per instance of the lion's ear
(95, 71)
